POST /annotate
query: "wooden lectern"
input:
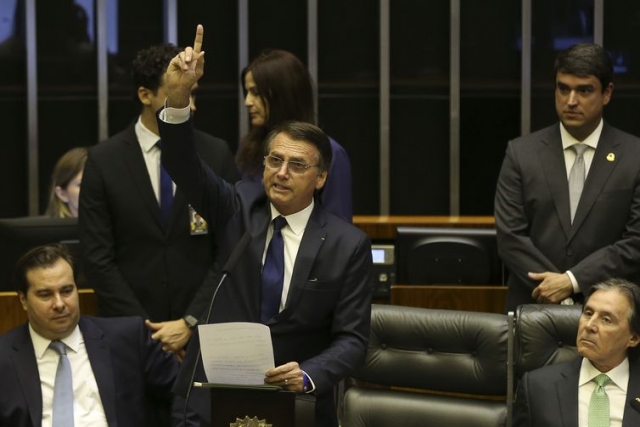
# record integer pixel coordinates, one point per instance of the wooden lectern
(279, 408)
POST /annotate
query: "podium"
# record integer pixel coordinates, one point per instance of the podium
(279, 408)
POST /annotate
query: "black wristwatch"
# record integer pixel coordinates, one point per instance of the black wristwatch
(191, 321)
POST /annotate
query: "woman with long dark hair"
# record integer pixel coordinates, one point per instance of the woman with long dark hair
(278, 88)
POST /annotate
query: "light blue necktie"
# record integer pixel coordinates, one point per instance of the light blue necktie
(273, 273)
(62, 389)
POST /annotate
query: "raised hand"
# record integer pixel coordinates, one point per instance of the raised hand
(184, 71)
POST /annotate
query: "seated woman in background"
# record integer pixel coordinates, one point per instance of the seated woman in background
(65, 184)
(278, 88)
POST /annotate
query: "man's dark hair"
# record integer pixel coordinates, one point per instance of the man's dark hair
(39, 257)
(301, 131)
(150, 65)
(586, 59)
(631, 292)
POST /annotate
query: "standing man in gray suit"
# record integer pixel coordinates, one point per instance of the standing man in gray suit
(567, 203)
(602, 387)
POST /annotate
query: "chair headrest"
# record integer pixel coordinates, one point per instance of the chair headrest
(446, 350)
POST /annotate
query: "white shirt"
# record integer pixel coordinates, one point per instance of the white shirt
(569, 158)
(87, 407)
(151, 155)
(616, 389)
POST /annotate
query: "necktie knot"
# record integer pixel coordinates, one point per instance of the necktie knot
(278, 223)
(601, 380)
(579, 149)
(159, 144)
(58, 347)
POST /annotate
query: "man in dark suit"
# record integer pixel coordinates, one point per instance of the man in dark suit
(571, 394)
(115, 365)
(320, 323)
(138, 262)
(558, 233)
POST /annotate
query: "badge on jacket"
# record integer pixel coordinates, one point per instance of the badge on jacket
(197, 224)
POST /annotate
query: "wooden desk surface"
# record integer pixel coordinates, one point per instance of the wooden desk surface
(384, 227)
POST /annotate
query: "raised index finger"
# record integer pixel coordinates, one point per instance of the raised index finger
(197, 43)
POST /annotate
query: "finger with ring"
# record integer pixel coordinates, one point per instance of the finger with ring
(286, 381)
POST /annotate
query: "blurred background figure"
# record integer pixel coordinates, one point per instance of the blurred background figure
(278, 88)
(65, 184)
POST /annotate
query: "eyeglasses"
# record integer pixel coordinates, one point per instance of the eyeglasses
(296, 168)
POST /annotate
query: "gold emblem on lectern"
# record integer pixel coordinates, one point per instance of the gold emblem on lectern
(250, 422)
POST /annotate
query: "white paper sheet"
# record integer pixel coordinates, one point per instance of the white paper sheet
(236, 353)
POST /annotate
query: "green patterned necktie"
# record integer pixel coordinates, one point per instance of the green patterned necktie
(599, 404)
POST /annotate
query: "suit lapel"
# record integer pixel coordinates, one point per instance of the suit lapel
(134, 161)
(631, 417)
(599, 172)
(24, 360)
(100, 359)
(312, 240)
(567, 389)
(555, 170)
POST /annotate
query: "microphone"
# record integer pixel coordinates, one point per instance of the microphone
(635, 404)
(230, 264)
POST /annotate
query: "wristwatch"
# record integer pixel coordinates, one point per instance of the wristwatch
(191, 321)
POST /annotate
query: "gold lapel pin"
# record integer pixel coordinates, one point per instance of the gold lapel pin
(611, 157)
(638, 399)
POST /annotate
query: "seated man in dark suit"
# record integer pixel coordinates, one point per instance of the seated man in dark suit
(600, 388)
(315, 297)
(112, 365)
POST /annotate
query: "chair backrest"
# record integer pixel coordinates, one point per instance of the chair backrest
(545, 334)
(459, 357)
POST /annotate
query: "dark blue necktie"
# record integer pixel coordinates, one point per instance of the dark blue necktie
(62, 389)
(166, 191)
(273, 273)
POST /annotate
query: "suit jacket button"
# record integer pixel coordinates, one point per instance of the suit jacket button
(569, 252)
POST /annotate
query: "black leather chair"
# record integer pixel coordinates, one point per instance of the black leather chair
(430, 367)
(545, 334)
(539, 335)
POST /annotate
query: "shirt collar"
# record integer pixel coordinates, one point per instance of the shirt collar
(297, 221)
(618, 375)
(146, 138)
(41, 344)
(592, 140)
